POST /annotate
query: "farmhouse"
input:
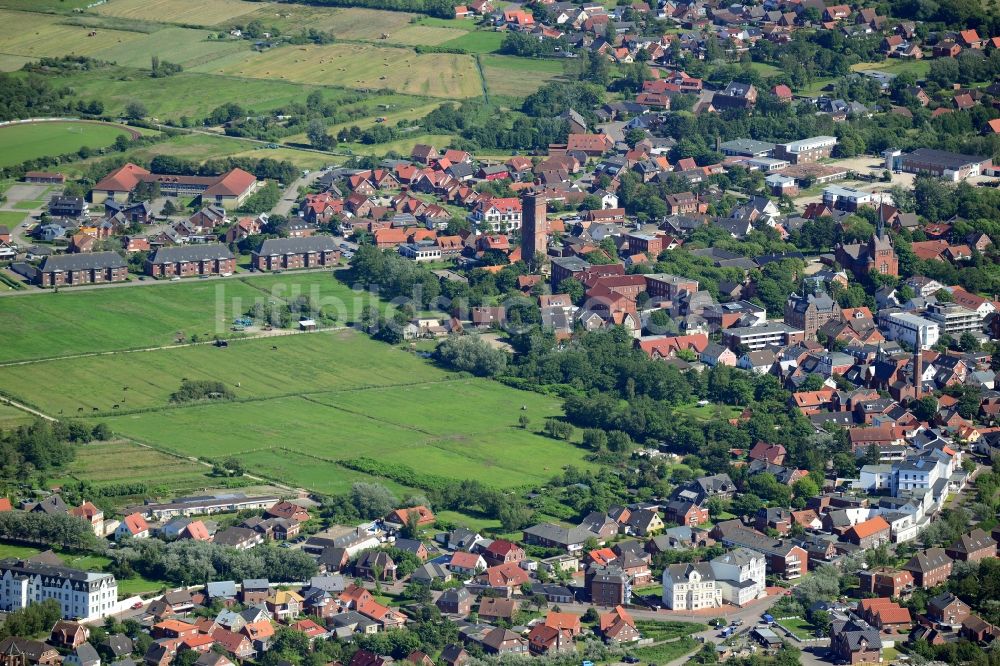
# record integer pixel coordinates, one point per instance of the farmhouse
(229, 189)
(88, 268)
(187, 260)
(285, 253)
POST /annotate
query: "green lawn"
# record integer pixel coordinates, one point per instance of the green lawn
(11, 219)
(800, 627)
(711, 412)
(19, 143)
(472, 522)
(765, 69)
(919, 68)
(664, 653)
(480, 41)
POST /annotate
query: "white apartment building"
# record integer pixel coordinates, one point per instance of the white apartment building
(81, 594)
(691, 587)
(955, 320)
(736, 577)
(741, 575)
(904, 327)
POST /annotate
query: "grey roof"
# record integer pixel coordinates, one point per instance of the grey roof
(86, 654)
(206, 252)
(279, 246)
(256, 584)
(680, 573)
(82, 262)
(747, 146)
(225, 589)
(558, 534)
(943, 158)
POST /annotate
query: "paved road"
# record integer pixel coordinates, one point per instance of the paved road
(290, 196)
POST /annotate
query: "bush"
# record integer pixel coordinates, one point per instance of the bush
(201, 389)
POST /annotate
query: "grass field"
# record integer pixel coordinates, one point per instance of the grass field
(12, 418)
(45, 5)
(402, 146)
(11, 219)
(260, 371)
(196, 147)
(169, 475)
(12, 63)
(485, 445)
(919, 68)
(361, 66)
(184, 46)
(194, 12)
(36, 35)
(481, 41)
(25, 142)
(187, 93)
(518, 77)
(57, 324)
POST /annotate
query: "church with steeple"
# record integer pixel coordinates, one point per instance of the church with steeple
(875, 255)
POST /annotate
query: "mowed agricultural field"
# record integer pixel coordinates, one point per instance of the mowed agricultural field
(362, 66)
(480, 41)
(33, 35)
(185, 94)
(518, 77)
(45, 5)
(315, 400)
(196, 147)
(28, 141)
(185, 46)
(192, 12)
(12, 418)
(413, 424)
(36, 35)
(254, 369)
(167, 474)
(53, 324)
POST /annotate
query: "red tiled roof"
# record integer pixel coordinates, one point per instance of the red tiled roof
(135, 523)
(232, 183)
(869, 527)
(123, 179)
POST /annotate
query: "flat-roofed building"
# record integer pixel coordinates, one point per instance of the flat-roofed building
(905, 327)
(806, 150)
(941, 163)
(747, 148)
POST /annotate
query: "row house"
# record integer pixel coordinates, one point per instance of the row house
(190, 260)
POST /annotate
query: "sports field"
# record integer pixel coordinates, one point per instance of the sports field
(28, 141)
(361, 66)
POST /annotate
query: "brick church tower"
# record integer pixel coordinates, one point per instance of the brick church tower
(534, 227)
